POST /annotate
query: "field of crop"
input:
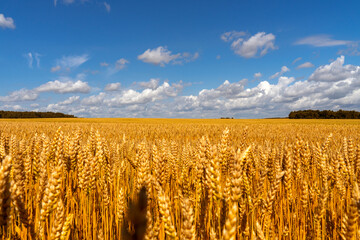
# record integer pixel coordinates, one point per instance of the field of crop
(179, 179)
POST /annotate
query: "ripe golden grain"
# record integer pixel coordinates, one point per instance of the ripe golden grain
(204, 179)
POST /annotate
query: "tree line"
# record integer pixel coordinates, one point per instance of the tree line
(325, 114)
(15, 114)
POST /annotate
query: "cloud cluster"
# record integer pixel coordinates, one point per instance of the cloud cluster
(20, 95)
(331, 86)
(162, 56)
(62, 86)
(6, 22)
(250, 46)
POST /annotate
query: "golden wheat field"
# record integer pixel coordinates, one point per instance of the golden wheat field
(179, 179)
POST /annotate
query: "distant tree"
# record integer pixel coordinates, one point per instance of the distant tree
(14, 114)
(325, 114)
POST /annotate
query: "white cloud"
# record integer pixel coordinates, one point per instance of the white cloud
(335, 71)
(107, 6)
(6, 22)
(121, 63)
(296, 60)
(12, 107)
(132, 99)
(63, 106)
(112, 87)
(319, 92)
(94, 99)
(20, 95)
(284, 69)
(153, 83)
(70, 100)
(305, 65)
(34, 105)
(104, 64)
(148, 95)
(218, 57)
(68, 86)
(266, 99)
(67, 62)
(250, 47)
(161, 56)
(257, 75)
(321, 41)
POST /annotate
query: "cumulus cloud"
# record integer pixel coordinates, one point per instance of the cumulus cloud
(68, 62)
(335, 71)
(319, 91)
(161, 56)
(12, 107)
(107, 6)
(331, 86)
(6, 22)
(305, 65)
(63, 105)
(130, 98)
(153, 83)
(20, 95)
(250, 46)
(70, 100)
(284, 69)
(112, 87)
(321, 41)
(68, 86)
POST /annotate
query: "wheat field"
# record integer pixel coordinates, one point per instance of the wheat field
(179, 179)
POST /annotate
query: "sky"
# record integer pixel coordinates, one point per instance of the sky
(179, 59)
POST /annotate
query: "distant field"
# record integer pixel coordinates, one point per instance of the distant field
(203, 179)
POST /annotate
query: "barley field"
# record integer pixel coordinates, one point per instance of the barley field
(179, 179)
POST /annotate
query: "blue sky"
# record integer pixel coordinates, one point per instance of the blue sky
(194, 59)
